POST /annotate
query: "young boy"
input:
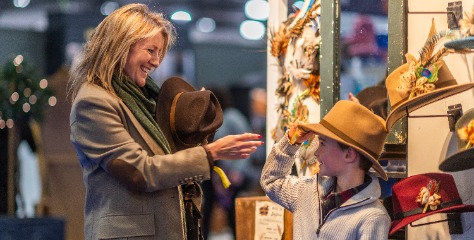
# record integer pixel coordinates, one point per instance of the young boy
(342, 200)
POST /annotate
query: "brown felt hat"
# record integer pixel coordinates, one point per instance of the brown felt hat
(354, 125)
(400, 103)
(461, 158)
(371, 94)
(375, 99)
(187, 117)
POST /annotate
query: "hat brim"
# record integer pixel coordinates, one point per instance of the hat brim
(371, 94)
(397, 224)
(321, 130)
(422, 100)
(462, 43)
(458, 162)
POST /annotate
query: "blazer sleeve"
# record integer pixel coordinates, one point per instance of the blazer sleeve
(101, 139)
(277, 181)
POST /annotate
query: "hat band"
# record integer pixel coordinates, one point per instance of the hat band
(420, 210)
(347, 138)
(173, 120)
(438, 86)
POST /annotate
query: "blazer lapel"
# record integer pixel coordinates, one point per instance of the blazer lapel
(155, 148)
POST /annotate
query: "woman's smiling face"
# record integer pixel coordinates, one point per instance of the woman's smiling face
(144, 56)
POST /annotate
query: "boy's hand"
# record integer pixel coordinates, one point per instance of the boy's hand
(298, 135)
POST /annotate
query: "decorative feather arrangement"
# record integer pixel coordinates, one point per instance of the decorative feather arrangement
(423, 73)
(466, 25)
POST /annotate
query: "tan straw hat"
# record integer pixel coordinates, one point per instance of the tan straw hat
(354, 125)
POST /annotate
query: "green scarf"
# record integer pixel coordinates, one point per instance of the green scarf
(141, 102)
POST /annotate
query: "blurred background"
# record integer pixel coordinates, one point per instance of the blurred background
(221, 45)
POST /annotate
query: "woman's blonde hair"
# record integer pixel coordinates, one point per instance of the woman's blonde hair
(105, 54)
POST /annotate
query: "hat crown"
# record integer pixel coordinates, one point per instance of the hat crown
(346, 120)
(196, 116)
(405, 192)
(393, 81)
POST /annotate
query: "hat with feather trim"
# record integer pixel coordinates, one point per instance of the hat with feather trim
(421, 195)
(402, 102)
(420, 82)
(187, 117)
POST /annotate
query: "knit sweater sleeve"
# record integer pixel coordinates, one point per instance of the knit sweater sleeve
(276, 180)
(375, 227)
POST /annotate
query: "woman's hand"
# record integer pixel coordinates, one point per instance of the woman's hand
(233, 147)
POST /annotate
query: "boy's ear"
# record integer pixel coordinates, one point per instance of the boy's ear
(351, 155)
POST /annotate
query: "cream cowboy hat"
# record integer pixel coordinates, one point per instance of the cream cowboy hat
(463, 157)
(354, 125)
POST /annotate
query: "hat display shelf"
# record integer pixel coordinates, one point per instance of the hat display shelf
(395, 146)
(453, 114)
(399, 149)
(395, 154)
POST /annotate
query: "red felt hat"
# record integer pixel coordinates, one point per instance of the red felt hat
(422, 195)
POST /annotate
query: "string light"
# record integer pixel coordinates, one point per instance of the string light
(22, 94)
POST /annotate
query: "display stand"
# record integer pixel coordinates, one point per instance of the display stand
(454, 112)
(245, 218)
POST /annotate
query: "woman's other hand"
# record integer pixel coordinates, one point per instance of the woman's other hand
(234, 147)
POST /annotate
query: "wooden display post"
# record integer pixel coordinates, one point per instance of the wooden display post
(245, 218)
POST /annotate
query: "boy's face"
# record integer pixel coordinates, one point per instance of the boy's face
(330, 156)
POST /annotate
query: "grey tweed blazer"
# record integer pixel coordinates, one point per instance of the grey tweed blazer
(132, 188)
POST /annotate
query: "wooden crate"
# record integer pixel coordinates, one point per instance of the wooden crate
(245, 218)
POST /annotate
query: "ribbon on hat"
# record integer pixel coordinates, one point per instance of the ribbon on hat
(401, 215)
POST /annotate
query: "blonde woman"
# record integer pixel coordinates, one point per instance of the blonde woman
(133, 179)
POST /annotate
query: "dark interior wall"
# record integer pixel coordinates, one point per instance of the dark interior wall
(228, 65)
(235, 67)
(63, 29)
(30, 44)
